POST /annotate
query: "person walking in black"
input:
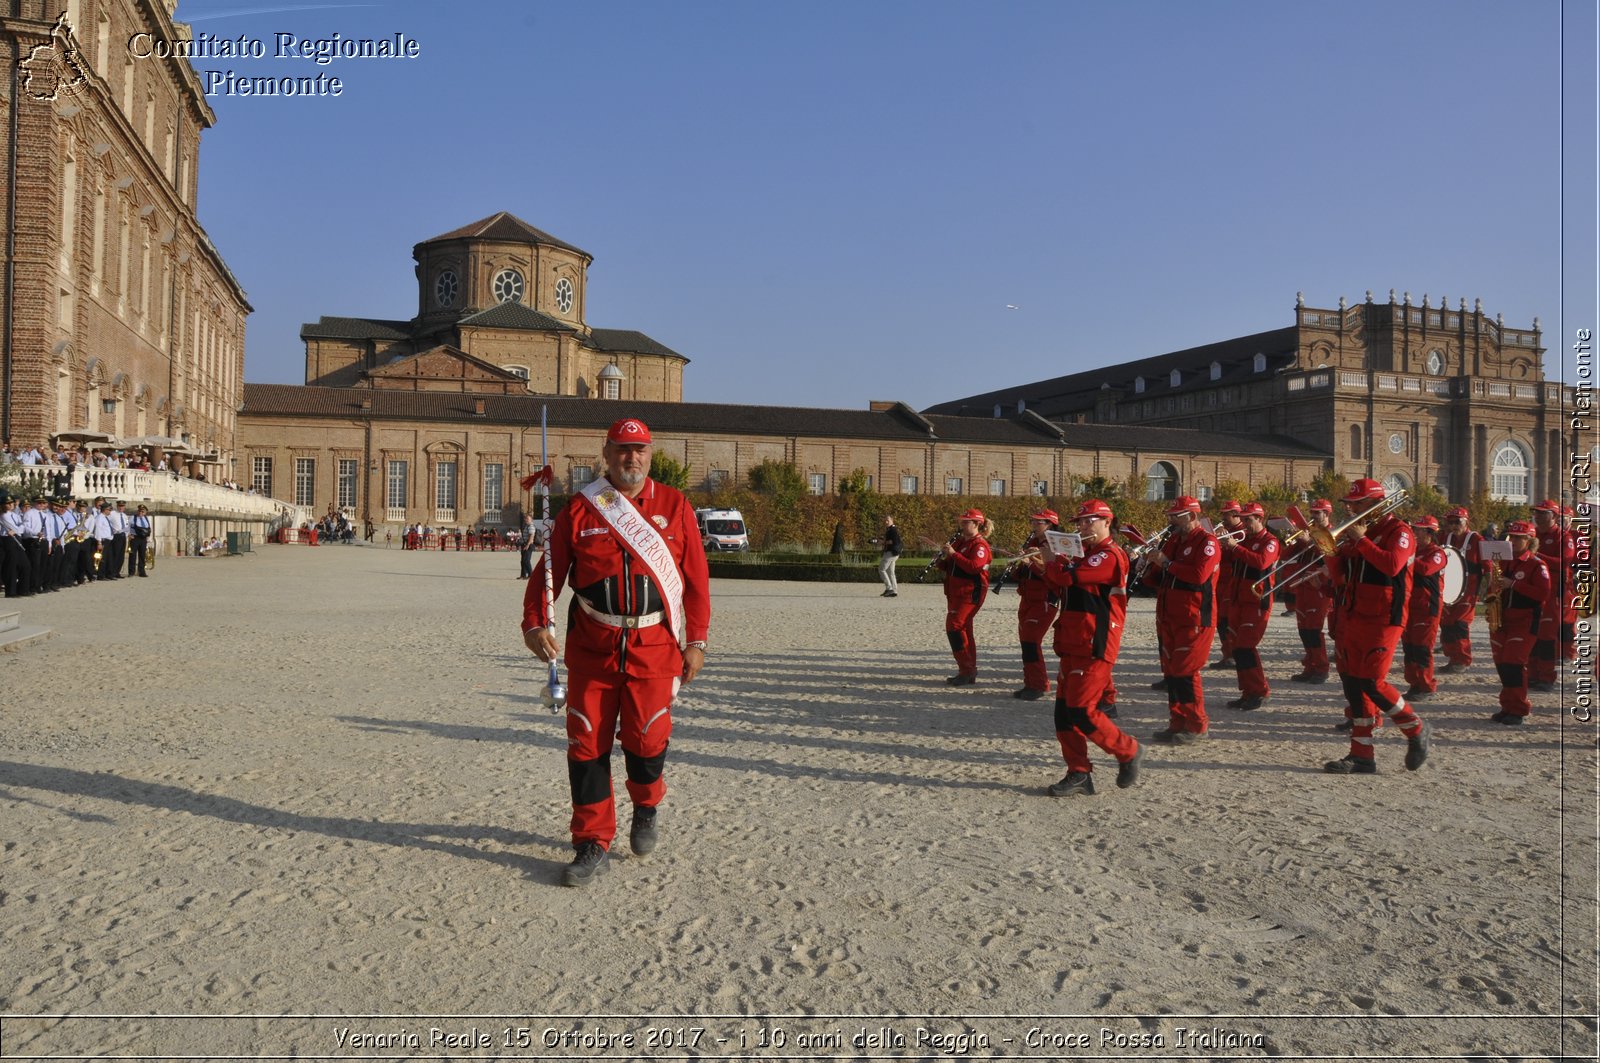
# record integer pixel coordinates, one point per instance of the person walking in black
(890, 541)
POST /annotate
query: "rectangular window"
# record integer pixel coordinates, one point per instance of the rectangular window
(494, 486)
(715, 478)
(398, 489)
(952, 485)
(997, 487)
(305, 481)
(444, 491)
(1203, 493)
(581, 475)
(613, 389)
(908, 485)
(818, 483)
(347, 482)
(261, 475)
(1041, 488)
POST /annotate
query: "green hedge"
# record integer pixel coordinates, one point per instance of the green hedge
(826, 569)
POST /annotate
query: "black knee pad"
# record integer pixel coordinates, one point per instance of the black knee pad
(1181, 689)
(590, 780)
(1072, 716)
(1511, 675)
(955, 640)
(1030, 652)
(1544, 650)
(644, 770)
(1454, 631)
(1353, 691)
(1246, 660)
(1417, 655)
(1311, 638)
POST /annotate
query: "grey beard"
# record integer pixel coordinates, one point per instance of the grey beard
(630, 479)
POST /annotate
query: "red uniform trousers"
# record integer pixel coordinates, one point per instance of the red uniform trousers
(1185, 649)
(1455, 630)
(962, 603)
(1421, 630)
(1511, 648)
(1247, 619)
(1312, 607)
(1080, 687)
(595, 706)
(1364, 653)
(1034, 617)
(1556, 636)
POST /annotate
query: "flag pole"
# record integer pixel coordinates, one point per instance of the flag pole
(554, 693)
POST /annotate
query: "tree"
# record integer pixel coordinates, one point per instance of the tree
(1280, 493)
(858, 482)
(774, 477)
(1426, 499)
(1234, 491)
(665, 469)
(1330, 485)
(1099, 487)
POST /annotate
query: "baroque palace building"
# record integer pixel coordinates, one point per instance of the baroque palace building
(118, 315)
(1402, 391)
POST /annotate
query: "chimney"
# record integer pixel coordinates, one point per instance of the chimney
(477, 407)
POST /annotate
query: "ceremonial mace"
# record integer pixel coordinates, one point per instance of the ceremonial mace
(554, 694)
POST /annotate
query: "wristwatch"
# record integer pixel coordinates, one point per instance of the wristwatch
(697, 644)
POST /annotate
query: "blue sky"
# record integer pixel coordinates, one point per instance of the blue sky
(824, 203)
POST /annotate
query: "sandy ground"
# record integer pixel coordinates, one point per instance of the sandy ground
(315, 783)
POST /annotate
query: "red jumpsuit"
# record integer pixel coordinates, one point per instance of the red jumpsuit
(1522, 606)
(1186, 622)
(1249, 613)
(1559, 618)
(1455, 621)
(966, 584)
(1037, 606)
(619, 672)
(1094, 601)
(1372, 614)
(1226, 585)
(1312, 604)
(1422, 617)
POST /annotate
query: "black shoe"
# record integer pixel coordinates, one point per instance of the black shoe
(1159, 684)
(1072, 784)
(1349, 765)
(1344, 725)
(1418, 694)
(1163, 737)
(1224, 663)
(588, 864)
(1128, 770)
(886, 593)
(963, 679)
(1417, 747)
(642, 836)
(1247, 703)
(1452, 668)
(1509, 719)
(1309, 677)
(1187, 738)
(892, 594)
(1541, 686)
(1108, 709)
(1028, 694)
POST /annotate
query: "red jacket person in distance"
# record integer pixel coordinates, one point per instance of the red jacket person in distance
(1037, 605)
(636, 630)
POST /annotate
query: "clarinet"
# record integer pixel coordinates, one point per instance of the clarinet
(923, 575)
(1006, 572)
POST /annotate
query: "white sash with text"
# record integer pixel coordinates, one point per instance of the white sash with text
(645, 542)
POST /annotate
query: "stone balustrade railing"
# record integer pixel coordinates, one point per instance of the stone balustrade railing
(166, 494)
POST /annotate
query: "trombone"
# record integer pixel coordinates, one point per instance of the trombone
(1327, 540)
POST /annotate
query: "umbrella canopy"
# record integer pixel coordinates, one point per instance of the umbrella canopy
(83, 435)
(162, 442)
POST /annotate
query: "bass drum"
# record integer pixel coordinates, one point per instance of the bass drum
(1453, 580)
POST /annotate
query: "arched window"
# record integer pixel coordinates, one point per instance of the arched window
(1176, 378)
(1260, 364)
(1161, 482)
(1216, 370)
(1508, 473)
(1355, 441)
(1396, 482)
(1138, 385)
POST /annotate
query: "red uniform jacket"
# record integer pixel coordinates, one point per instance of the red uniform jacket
(1250, 560)
(966, 569)
(1094, 600)
(1377, 570)
(1425, 582)
(1529, 592)
(1226, 577)
(1558, 548)
(585, 551)
(1186, 590)
(1031, 587)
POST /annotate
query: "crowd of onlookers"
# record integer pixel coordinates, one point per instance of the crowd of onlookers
(71, 456)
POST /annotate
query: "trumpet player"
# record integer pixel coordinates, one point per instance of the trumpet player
(1559, 619)
(1251, 559)
(1424, 610)
(1094, 602)
(1455, 624)
(965, 563)
(1522, 586)
(1184, 573)
(1375, 552)
(1313, 600)
(1037, 606)
(1227, 585)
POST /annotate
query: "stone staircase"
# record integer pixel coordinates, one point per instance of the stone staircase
(14, 634)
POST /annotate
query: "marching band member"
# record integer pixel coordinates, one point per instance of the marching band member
(1037, 605)
(1523, 587)
(1424, 610)
(1559, 618)
(1376, 559)
(1232, 521)
(1094, 600)
(965, 561)
(1455, 622)
(1313, 602)
(1184, 573)
(1251, 558)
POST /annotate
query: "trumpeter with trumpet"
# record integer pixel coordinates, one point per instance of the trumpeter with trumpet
(1231, 528)
(1518, 592)
(1184, 573)
(1308, 579)
(1252, 557)
(1455, 622)
(1425, 609)
(1375, 550)
(1037, 606)
(965, 563)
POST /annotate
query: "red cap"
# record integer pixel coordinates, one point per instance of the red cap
(1322, 505)
(1230, 506)
(1426, 522)
(1049, 515)
(972, 514)
(1568, 511)
(1520, 527)
(1252, 510)
(1365, 488)
(629, 430)
(1183, 504)
(1093, 508)
(1549, 505)
(1459, 511)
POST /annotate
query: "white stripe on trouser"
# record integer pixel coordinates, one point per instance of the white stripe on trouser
(1362, 740)
(573, 711)
(1399, 707)
(677, 685)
